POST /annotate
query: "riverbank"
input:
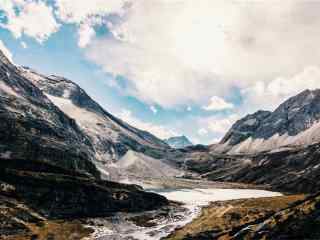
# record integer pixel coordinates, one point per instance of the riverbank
(220, 218)
(155, 225)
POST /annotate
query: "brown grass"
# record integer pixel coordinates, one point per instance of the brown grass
(221, 217)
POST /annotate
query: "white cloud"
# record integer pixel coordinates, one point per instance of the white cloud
(189, 109)
(87, 14)
(6, 51)
(219, 125)
(75, 11)
(154, 109)
(32, 18)
(86, 33)
(217, 103)
(179, 52)
(202, 131)
(161, 132)
(268, 95)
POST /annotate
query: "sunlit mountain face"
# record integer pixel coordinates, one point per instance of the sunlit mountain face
(171, 67)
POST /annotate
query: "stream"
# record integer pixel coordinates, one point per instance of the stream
(121, 227)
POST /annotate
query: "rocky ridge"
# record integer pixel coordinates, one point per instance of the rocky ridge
(294, 123)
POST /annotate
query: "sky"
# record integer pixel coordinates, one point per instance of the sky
(172, 67)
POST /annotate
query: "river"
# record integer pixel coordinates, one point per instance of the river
(120, 227)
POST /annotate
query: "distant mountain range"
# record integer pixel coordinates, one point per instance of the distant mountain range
(279, 148)
(295, 122)
(178, 142)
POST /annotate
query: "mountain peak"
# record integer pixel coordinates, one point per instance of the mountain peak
(287, 125)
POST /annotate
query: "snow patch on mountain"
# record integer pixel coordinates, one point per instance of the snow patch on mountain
(276, 142)
(6, 89)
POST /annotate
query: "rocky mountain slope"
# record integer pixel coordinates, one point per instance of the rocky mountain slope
(280, 149)
(110, 137)
(46, 161)
(292, 170)
(33, 128)
(294, 123)
(178, 142)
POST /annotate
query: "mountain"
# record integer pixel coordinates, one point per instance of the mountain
(110, 137)
(280, 149)
(178, 142)
(47, 161)
(290, 170)
(33, 128)
(294, 123)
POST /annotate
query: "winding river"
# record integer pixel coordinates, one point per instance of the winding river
(120, 228)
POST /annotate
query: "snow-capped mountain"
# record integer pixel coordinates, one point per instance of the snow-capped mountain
(110, 137)
(178, 142)
(32, 128)
(46, 161)
(295, 122)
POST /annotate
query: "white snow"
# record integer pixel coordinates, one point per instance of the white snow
(274, 143)
(7, 89)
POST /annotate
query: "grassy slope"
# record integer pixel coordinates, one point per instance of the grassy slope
(221, 217)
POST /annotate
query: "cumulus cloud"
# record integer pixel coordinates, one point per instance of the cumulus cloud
(86, 34)
(219, 125)
(161, 132)
(87, 14)
(74, 11)
(6, 51)
(202, 131)
(32, 18)
(174, 53)
(217, 103)
(268, 95)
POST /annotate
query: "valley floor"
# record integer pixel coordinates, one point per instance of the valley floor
(190, 213)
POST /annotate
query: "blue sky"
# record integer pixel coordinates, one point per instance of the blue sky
(170, 67)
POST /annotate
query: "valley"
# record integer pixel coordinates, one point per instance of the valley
(71, 170)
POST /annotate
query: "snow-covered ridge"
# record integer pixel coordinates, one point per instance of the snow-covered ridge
(274, 143)
(294, 123)
(110, 137)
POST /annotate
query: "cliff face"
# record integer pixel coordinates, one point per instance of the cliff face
(33, 128)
